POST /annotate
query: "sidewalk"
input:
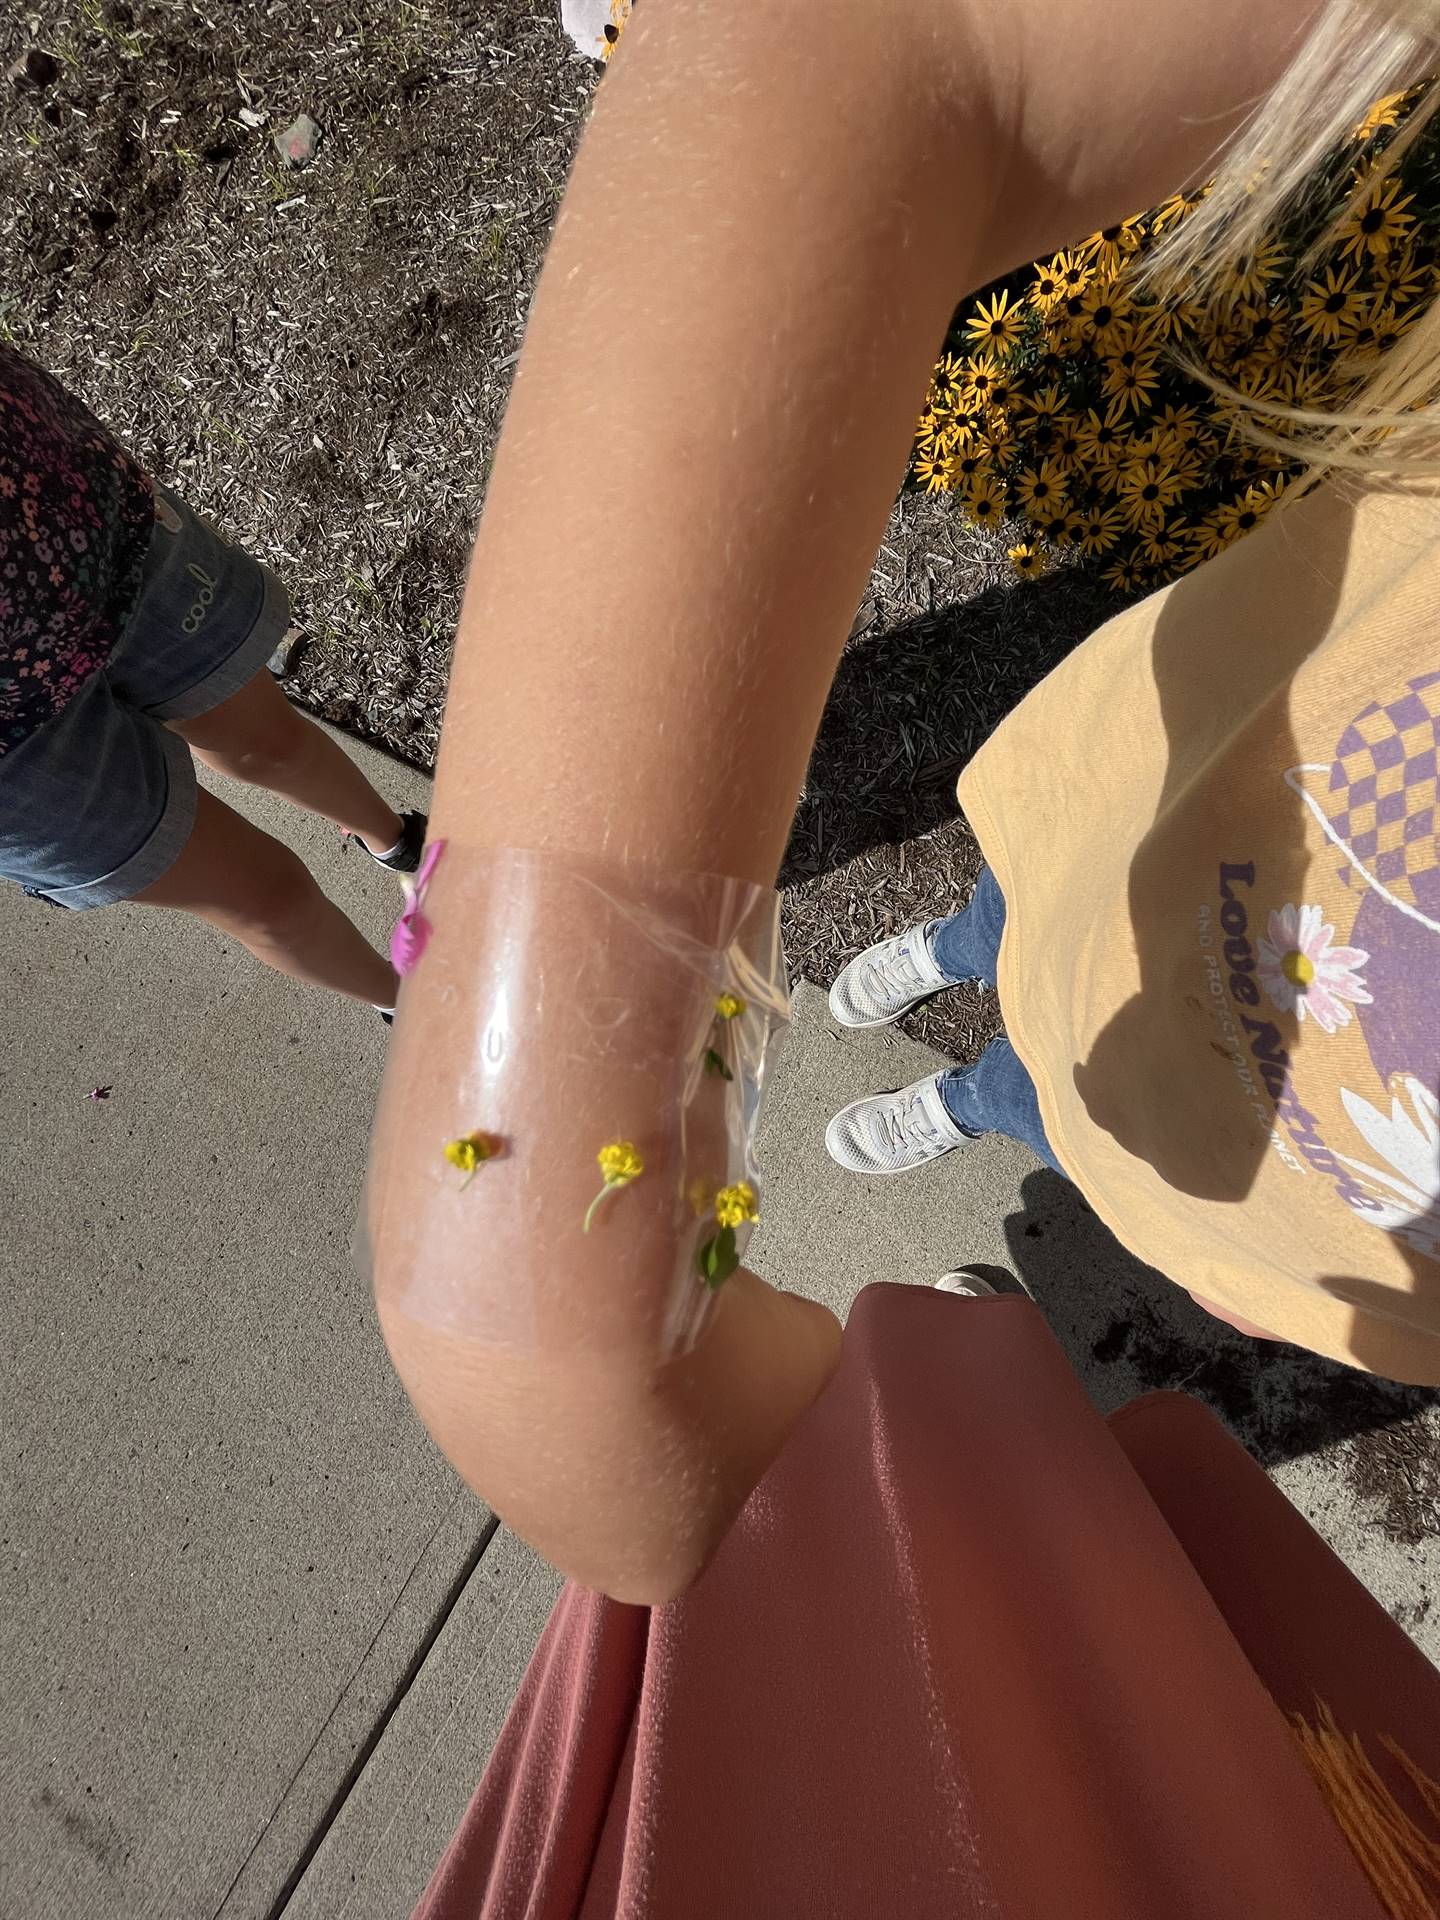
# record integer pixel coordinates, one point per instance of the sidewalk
(255, 1640)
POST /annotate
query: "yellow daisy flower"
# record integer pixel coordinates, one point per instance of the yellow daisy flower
(1046, 404)
(1173, 318)
(1328, 302)
(1241, 516)
(1384, 113)
(1099, 529)
(1107, 307)
(1065, 447)
(934, 470)
(1040, 490)
(1073, 275)
(1249, 274)
(996, 326)
(1103, 439)
(1399, 280)
(1124, 573)
(729, 1006)
(1027, 559)
(1146, 488)
(1111, 248)
(1172, 211)
(1132, 378)
(1045, 288)
(981, 376)
(984, 502)
(1162, 546)
(1378, 222)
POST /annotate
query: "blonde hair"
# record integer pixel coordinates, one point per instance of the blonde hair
(1359, 52)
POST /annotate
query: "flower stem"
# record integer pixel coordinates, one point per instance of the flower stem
(608, 1187)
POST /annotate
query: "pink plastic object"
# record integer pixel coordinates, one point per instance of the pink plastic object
(412, 930)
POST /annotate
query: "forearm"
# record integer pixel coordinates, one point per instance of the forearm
(769, 223)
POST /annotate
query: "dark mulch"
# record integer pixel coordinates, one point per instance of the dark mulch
(317, 359)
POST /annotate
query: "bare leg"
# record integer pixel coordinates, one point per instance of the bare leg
(256, 735)
(251, 887)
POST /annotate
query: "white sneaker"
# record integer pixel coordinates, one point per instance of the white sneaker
(963, 1281)
(892, 1132)
(887, 980)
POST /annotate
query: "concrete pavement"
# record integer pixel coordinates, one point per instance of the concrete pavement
(255, 1640)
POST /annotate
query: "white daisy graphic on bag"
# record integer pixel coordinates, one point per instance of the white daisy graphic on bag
(1303, 971)
(1408, 1194)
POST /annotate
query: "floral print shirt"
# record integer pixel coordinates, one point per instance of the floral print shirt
(76, 515)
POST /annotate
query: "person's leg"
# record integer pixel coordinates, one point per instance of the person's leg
(256, 735)
(997, 1095)
(966, 946)
(248, 885)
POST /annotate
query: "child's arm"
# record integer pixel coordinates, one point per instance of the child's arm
(769, 224)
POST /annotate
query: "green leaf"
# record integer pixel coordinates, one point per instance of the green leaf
(714, 1064)
(718, 1259)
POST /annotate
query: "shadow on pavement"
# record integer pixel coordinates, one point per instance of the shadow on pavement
(1127, 1330)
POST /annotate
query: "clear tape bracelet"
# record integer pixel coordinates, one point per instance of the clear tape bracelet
(564, 1155)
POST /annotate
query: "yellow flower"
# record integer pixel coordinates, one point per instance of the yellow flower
(1111, 248)
(1173, 318)
(729, 1006)
(984, 502)
(1040, 490)
(1046, 403)
(1132, 377)
(982, 374)
(1172, 211)
(619, 1163)
(737, 1205)
(1391, 326)
(934, 470)
(1384, 113)
(1124, 574)
(1099, 529)
(1377, 222)
(1163, 546)
(971, 465)
(470, 1151)
(1104, 441)
(1045, 288)
(1107, 307)
(1027, 559)
(1328, 303)
(1398, 279)
(1261, 330)
(1249, 274)
(1071, 273)
(997, 326)
(1146, 489)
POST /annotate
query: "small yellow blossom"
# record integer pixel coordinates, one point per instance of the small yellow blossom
(729, 1006)
(736, 1205)
(470, 1152)
(620, 1163)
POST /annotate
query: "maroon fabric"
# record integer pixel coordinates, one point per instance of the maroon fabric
(951, 1660)
(1310, 1630)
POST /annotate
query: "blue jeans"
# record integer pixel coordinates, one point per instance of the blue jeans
(996, 1095)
